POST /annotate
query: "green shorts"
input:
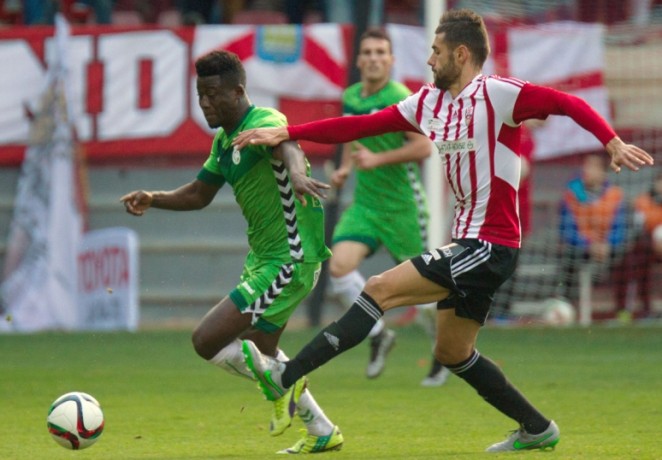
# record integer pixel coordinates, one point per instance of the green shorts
(270, 291)
(402, 233)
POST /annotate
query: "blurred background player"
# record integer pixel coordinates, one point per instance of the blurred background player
(389, 206)
(593, 226)
(647, 249)
(285, 236)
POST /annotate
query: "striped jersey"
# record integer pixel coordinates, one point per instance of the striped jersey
(280, 229)
(478, 142)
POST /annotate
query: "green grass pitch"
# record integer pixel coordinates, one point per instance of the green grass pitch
(602, 385)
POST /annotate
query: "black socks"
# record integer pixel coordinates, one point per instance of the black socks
(341, 335)
(491, 383)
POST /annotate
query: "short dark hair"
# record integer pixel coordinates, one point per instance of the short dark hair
(379, 34)
(225, 64)
(465, 27)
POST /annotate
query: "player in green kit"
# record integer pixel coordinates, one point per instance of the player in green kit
(389, 207)
(280, 202)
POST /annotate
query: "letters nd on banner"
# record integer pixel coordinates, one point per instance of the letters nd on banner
(108, 280)
(134, 89)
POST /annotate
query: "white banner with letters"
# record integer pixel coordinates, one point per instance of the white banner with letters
(108, 280)
(134, 88)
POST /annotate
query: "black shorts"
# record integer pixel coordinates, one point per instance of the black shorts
(472, 270)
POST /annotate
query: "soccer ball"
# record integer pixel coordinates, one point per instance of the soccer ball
(558, 312)
(75, 420)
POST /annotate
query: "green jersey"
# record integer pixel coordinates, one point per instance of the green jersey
(390, 187)
(280, 229)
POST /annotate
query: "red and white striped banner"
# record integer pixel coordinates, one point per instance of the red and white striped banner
(134, 88)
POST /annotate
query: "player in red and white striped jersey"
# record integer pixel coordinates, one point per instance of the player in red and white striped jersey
(474, 122)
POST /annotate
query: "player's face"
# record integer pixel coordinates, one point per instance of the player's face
(219, 101)
(375, 59)
(445, 70)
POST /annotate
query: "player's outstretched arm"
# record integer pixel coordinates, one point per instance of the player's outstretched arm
(188, 197)
(261, 136)
(628, 155)
(295, 162)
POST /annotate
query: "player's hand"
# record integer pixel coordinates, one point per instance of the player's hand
(137, 202)
(339, 177)
(303, 185)
(628, 155)
(261, 136)
(364, 158)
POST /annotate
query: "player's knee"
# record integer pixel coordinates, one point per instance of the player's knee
(202, 343)
(377, 288)
(450, 355)
(339, 267)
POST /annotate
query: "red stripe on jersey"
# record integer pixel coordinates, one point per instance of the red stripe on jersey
(458, 166)
(448, 120)
(473, 170)
(420, 105)
(491, 139)
(510, 137)
(449, 175)
(435, 113)
(458, 123)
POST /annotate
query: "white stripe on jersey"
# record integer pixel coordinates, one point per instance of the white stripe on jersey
(477, 139)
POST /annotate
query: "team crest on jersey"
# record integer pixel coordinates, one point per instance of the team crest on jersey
(236, 155)
(468, 115)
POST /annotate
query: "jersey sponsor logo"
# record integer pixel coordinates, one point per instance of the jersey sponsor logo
(457, 146)
(426, 258)
(236, 155)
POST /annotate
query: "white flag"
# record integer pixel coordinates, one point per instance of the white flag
(39, 286)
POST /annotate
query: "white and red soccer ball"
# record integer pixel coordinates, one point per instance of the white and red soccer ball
(558, 312)
(75, 420)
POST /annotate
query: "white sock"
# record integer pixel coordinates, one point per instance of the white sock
(232, 360)
(310, 413)
(347, 288)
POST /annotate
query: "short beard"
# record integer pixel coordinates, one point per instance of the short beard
(450, 75)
